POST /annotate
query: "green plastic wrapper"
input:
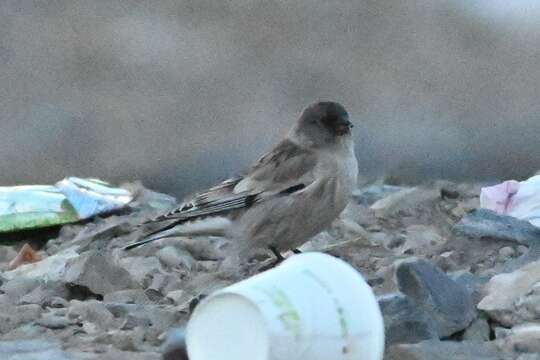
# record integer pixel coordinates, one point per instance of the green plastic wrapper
(70, 200)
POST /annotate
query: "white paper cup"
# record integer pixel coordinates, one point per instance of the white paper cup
(311, 307)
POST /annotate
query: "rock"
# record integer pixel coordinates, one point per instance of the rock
(26, 255)
(18, 287)
(448, 302)
(347, 229)
(141, 268)
(164, 283)
(507, 252)
(32, 350)
(447, 260)
(54, 321)
(419, 238)
(513, 298)
(45, 292)
(98, 235)
(12, 317)
(208, 266)
(158, 317)
(488, 225)
(449, 192)
(56, 303)
(129, 296)
(522, 249)
(91, 311)
(176, 296)
(528, 357)
(28, 331)
(405, 321)
(205, 248)
(478, 331)
(473, 283)
(444, 350)
(369, 195)
(126, 340)
(50, 269)
(7, 253)
(523, 338)
(97, 273)
(111, 353)
(174, 347)
(171, 256)
(404, 200)
(154, 295)
(466, 206)
(148, 199)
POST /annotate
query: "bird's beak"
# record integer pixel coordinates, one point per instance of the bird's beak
(344, 127)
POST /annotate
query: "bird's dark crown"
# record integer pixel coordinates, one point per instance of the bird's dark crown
(330, 115)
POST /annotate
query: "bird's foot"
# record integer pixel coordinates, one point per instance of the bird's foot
(278, 258)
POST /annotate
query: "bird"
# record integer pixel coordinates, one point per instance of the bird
(286, 197)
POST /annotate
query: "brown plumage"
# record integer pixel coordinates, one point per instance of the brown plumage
(290, 194)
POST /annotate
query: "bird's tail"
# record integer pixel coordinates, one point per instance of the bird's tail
(212, 226)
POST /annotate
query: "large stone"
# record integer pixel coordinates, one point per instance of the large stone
(49, 269)
(205, 248)
(129, 296)
(405, 321)
(528, 357)
(488, 225)
(111, 353)
(18, 287)
(54, 321)
(445, 350)
(92, 311)
(370, 194)
(473, 283)
(404, 200)
(514, 298)
(7, 253)
(32, 350)
(45, 292)
(127, 340)
(523, 338)
(478, 331)
(141, 268)
(164, 283)
(160, 318)
(97, 273)
(96, 236)
(448, 302)
(12, 317)
(171, 256)
(420, 238)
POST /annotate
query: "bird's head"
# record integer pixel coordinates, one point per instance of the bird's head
(322, 123)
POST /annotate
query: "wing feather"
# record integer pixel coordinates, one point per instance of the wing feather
(284, 170)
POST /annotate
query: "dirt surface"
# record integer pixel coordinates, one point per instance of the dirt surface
(82, 296)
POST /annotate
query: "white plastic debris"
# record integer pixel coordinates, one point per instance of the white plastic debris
(70, 200)
(311, 307)
(518, 199)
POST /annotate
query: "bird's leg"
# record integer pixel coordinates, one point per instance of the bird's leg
(296, 251)
(277, 261)
(277, 254)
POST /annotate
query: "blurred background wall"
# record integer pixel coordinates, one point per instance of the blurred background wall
(182, 93)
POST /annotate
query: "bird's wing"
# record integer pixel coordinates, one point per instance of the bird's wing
(285, 170)
(217, 199)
